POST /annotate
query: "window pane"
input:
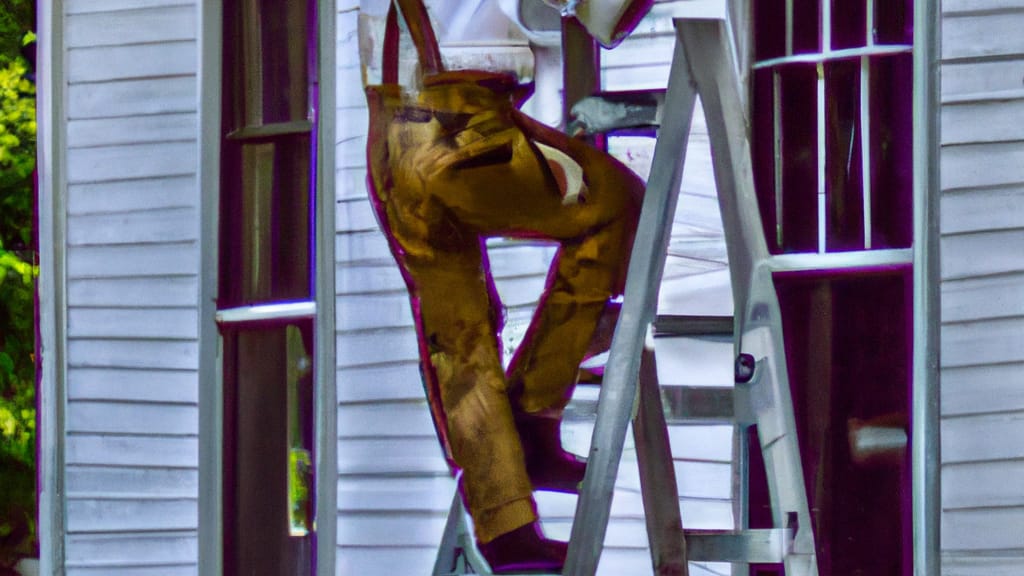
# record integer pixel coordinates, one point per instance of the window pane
(798, 104)
(894, 21)
(763, 145)
(892, 154)
(848, 352)
(849, 24)
(806, 26)
(844, 192)
(268, 424)
(268, 62)
(265, 244)
(769, 29)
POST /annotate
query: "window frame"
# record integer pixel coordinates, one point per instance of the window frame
(211, 397)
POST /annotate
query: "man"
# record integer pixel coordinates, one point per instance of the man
(453, 162)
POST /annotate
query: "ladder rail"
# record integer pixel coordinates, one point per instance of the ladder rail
(657, 474)
(619, 389)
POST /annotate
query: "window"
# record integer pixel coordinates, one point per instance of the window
(831, 134)
(267, 285)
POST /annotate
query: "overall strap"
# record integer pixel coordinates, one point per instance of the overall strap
(418, 21)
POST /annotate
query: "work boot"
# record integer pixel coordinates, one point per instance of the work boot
(548, 465)
(524, 550)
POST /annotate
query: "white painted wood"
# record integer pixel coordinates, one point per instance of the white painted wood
(131, 162)
(158, 260)
(981, 438)
(411, 456)
(978, 210)
(355, 215)
(982, 77)
(983, 529)
(133, 385)
(148, 227)
(187, 569)
(982, 485)
(983, 332)
(109, 353)
(96, 515)
(988, 121)
(132, 195)
(400, 421)
(396, 381)
(156, 24)
(131, 130)
(983, 342)
(141, 324)
(983, 298)
(982, 254)
(88, 6)
(160, 292)
(952, 7)
(384, 560)
(143, 451)
(982, 36)
(365, 279)
(143, 483)
(975, 564)
(102, 63)
(369, 311)
(144, 419)
(380, 346)
(99, 551)
(381, 495)
(980, 389)
(976, 165)
(133, 97)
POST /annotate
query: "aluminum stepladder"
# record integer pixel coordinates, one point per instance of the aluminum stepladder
(702, 65)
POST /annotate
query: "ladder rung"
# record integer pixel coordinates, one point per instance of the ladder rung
(687, 404)
(667, 325)
(746, 546)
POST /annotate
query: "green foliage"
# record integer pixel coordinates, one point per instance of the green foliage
(17, 317)
(16, 17)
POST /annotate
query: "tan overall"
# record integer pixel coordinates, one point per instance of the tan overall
(451, 164)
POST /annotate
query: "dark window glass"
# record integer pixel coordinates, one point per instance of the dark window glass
(798, 104)
(848, 353)
(844, 190)
(265, 250)
(268, 72)
(892, 208)
(849, 23)
(769, 18)
(268, 412)
(894, 21)
(763, 146)
(806, 26)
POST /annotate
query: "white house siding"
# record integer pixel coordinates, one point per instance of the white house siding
(132, 273)
(982, 287)
(394, 489)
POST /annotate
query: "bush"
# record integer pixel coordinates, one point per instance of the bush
(17, 314)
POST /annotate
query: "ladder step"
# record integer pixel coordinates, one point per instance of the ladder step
(694, 404)
(667, 325)
(766, 546)
(683, 404)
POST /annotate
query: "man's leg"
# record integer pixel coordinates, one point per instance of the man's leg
(458, 333)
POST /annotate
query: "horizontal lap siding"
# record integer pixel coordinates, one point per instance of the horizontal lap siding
(982, 287)
(133, 264)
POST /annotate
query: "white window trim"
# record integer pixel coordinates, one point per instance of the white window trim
(52, 286)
